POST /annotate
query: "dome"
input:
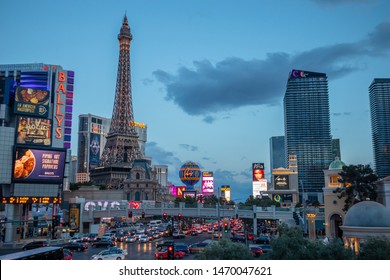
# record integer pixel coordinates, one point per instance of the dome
(336, 164)
(367, 214)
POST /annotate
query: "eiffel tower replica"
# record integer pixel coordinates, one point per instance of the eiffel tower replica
(122, 146)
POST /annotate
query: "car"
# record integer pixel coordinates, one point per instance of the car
(163, 254)
(182, 248)
(265, 247)
(119, 237)
(68, 255)
(178, 235)
(76, 246)
(130, 239)
(250, 236)
(256, 250)
(238, 238)
(109, 255)
(103, 243)
(198, 247)
(143, 239)
(35, 244)
(262, 240)
(194, 233)
(76, 239)
(118, 249)
(165, 243)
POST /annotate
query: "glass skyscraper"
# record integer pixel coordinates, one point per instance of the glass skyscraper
(277, 152)
(307, 129)
(380, 125)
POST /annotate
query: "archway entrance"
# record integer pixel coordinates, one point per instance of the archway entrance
(335, 223)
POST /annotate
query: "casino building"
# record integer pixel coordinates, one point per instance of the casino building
(36, 103)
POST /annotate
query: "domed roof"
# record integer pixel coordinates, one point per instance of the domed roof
(336, 164)
(367, 214)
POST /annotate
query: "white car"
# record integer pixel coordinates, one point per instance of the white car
(143, 239)
(130, 239)
(113, 254)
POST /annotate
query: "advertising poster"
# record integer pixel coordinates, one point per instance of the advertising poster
(34, 131)
(259, 187)
(33, 165)
(180, 191)
(282, 197)
(207, 183)
(74, 216)
(30, 101)
(257, 171)
(189, 194)
(225, 192)
(281, 182)
(94, 151)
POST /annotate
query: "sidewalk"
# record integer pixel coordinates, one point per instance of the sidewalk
(22, 242)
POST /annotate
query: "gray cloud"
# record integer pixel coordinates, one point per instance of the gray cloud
(161, 156)
(189, 147)
(208, 89)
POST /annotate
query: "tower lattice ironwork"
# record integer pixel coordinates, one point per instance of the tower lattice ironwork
(122, 146)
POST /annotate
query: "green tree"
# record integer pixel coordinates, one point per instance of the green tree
(260, 202)
(358, 184)
(226, 250)
(292, 245)
(375, 249)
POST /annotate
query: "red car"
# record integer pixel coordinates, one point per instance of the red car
(255, 250)
(68, 255)
(163, 254)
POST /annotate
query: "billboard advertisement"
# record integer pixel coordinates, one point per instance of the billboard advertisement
(207, 183)
(94, 151)
(189, 194)
(33, 131)
(74, 216)
(257, 171)
(225, 192)
(281, 182)
(31, 101)
(33, 165)
(259, 187)
(180, 190)
(282, 197)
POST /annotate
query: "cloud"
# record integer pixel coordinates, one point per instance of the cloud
(161, 156)
(189, 147)
(207, 89)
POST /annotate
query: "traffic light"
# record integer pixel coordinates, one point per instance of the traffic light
(225, 225)
(130, 214)
(179, 216)
(55, 221)
(18, 230)
(171, 252)
(143, 215)
(165, 215)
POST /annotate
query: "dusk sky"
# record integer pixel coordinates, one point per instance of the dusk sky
(209, 76)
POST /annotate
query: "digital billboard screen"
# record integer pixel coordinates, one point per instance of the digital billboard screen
(94, 151)
(31, 101)
(35, 165)
(189, 194)
(34, 131)
(281, 182)
(257, 171)
(207, 183)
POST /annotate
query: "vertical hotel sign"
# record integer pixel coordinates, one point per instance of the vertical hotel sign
(63, 107)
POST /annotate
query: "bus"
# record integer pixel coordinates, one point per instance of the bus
(42, 253)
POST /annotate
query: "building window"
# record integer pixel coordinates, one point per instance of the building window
(137, 196)
(137, 176)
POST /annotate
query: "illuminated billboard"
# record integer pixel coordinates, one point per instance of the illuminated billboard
(259, 187)
(281, 182)
(33, 165)
(257, 171)
(207, 183)
(94, 150)
(31, 200)
(282, 197)
(33, 131)
(74, 216)
(180, 190)
(189, 194)
(225, 192)
(31, 101)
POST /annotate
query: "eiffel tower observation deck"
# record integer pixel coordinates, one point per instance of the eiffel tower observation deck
(122, 146)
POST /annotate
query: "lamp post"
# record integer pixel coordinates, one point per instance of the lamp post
(311, 215)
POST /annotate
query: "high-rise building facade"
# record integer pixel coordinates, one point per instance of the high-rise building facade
(336, 150)
(379, 93)
(36, 102)
(307, 129)
(277, 152)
